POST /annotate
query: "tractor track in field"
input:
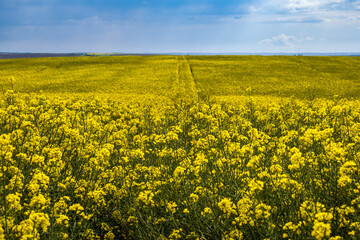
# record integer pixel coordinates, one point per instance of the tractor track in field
(185, 84)
(190, 69)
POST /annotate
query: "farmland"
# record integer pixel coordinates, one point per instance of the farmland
(278, 76)
(180, 147)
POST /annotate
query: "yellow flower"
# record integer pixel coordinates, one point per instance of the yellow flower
(200, 159)
(336, 238)
(171, 207)
(63, 220)
(227, 206)
(39, 202)
(146, 197)
(26, 230)
(179, 171)
(233, 235)
(207, 211)
(76, 208)
(2, 235)
(132, 220)
(262, 211)
(61, 205)
(255, 185)
(41, 220)
(160, 220)
(175, 234)
(109, 235)
(97, 197)
(324, 217)
(194, 197)
(39, 181)
(13, 202)
(321, 230)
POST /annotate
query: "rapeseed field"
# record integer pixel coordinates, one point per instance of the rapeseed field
(165, 152)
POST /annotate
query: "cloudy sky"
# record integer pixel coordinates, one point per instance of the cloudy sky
(163, 26)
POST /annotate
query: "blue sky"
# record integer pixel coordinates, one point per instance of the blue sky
(163, 26)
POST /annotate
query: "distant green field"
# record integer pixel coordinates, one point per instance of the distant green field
(176, 76)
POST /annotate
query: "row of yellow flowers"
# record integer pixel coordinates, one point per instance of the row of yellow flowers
(80, 168)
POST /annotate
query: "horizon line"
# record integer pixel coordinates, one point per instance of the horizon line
(185, 53)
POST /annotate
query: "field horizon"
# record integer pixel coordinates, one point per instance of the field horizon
(9, 55)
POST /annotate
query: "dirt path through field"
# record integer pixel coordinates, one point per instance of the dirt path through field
(185, 86)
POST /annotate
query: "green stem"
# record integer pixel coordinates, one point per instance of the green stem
(4, 196)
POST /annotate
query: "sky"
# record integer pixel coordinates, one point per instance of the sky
(182, 26)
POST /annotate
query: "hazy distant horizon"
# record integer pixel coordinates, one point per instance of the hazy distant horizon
(191, 53)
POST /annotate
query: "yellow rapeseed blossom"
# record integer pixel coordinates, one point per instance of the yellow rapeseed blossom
(77, 208)
(321, 230)
(206, 212)
(146, 197)
(171, 207)
(175, 234)
(2, 235)
(13, 202)
(39, 181)
(233, 235)
(39, 202)
(63, 220)
(227, 206)
(194, 197)
(26, 230)
(93, 167)
(41, 220)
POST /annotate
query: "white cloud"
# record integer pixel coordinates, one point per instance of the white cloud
(284, 40)
(93, 20)
(306, 11)
(253, 9)
(295, 5)
(304, 6)
(356, 4)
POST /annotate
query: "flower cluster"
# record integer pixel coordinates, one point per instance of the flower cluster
(81, 168)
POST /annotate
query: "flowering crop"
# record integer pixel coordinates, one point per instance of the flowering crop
(282, 76)
(97, 168)
(172, 76)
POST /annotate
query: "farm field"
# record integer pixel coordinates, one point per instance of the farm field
(217, 76)
(281, 76)
(180, 147)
